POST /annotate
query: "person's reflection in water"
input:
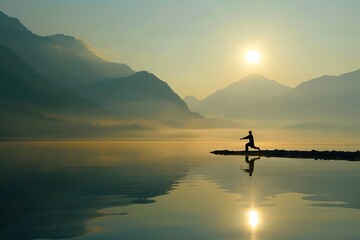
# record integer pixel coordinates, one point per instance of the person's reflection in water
(251, 164)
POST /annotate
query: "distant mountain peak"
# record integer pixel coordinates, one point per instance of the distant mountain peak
(319, 80)
(191, 101)
(255, 81)
(191, 97)
(326, 79)
(70, 42)
(145, 75)
(141, 94)
(231, 100)
(255, 78)
(12, 24)
(352, 74)
(61, 36)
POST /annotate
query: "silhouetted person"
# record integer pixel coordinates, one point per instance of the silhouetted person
(251, 163)
(251, 142)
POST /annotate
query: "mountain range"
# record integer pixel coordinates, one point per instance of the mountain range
(139, 95)
(50, 84)
(231, 101)
(64, 60)
(330, 99)
(57, 84)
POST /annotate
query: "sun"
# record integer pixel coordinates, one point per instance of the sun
(253, 56)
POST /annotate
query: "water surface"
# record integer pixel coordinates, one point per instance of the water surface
(118, 190)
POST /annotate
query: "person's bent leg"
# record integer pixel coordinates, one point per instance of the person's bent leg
(247, 147)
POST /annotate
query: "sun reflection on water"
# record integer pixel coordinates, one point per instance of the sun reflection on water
(253, 218)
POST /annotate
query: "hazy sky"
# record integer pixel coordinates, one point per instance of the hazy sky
(197, 46)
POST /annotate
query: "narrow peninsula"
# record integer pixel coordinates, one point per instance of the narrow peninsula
(321, 155)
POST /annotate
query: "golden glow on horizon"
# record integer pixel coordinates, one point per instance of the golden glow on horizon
(253, 218)
(253, 56)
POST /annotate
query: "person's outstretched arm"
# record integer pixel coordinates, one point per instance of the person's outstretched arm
(247, 137)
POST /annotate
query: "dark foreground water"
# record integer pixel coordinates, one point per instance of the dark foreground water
(114, 190)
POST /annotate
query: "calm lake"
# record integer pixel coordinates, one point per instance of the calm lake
(176, 190)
